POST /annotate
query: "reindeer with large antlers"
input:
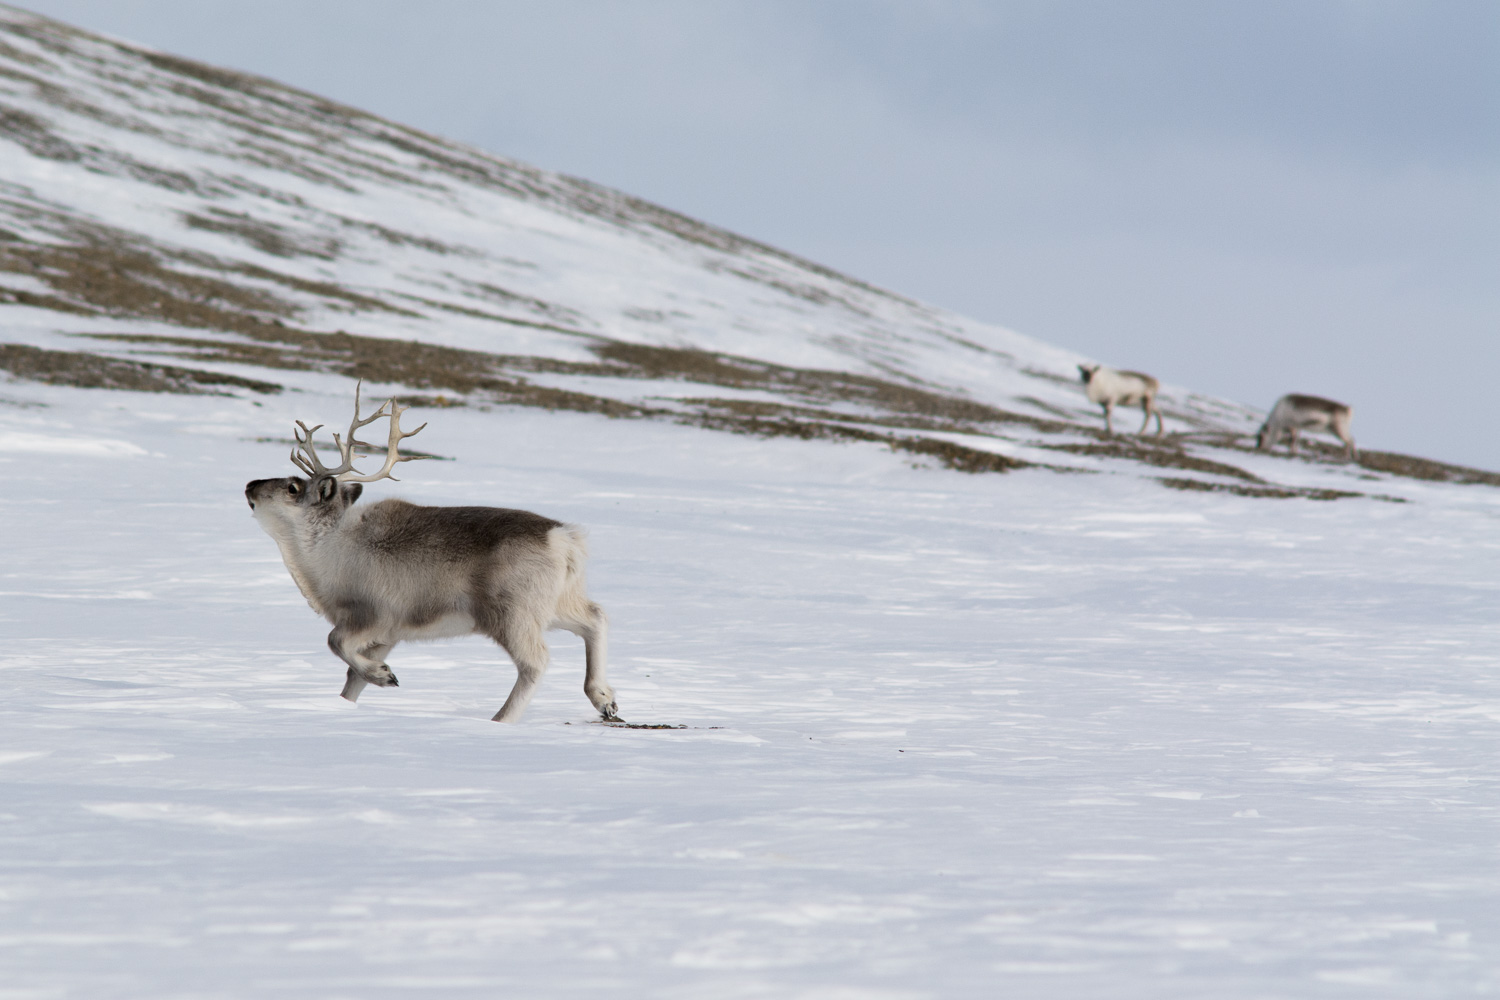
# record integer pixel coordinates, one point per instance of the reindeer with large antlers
(391, 571)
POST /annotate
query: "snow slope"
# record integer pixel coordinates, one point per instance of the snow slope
(1023, 734)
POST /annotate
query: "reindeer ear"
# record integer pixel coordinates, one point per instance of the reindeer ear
(351, 492)
(327, 487)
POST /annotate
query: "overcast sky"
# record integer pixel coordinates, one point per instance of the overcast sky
(1247, 198)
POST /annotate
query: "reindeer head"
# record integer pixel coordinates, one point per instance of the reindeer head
(1262, 435)
(323, 496)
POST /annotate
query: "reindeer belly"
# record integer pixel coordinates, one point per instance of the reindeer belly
(1312, 422)
(1117, 394)
(441, 626)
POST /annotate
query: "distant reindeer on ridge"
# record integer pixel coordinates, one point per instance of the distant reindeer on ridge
(1110, 388)
(392, 571)
(1295, 412)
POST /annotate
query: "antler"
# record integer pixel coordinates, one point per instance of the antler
(309, 462)
(395, 438)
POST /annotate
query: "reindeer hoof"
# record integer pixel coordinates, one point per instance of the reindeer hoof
(381, 676)
(610, 713)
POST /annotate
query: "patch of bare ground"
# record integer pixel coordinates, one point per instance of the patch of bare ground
(402, 362)
(550, 311)
(1421, 468)
(1056, 411)
(762, 409)
(92, 371)
(96, 270)
(1272, 492)
(269, 238)
(460, 310)
(811, 384)
(1390, 463)
(1148, 451)
(947, 453)
(115, 279)
(957, 456)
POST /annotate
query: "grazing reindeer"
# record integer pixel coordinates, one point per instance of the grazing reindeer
(1294, 412)
(392, 570)
(1110, 388)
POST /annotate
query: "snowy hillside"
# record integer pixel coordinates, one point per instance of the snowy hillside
(1108, 717)
(159, 210)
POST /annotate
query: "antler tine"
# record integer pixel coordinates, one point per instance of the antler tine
(392, 457)
(308, 461)
(346, 448)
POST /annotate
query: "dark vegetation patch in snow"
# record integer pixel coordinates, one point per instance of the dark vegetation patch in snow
(264, 236)
(1161, 451)
(1272, 492)
(33, 135)
(98, 270)
(92, 371)
(1419, 468)
(494, 293)
(402, 362)
(1382, 462)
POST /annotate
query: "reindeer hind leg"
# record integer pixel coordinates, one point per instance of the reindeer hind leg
(528, 650)
(593, 628)
(1341, 428)
(1148, 408)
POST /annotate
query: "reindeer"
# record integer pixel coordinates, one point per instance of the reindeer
(390, 571)
(1109, 388)
(1295, 412)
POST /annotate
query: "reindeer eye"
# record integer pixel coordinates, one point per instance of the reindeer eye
(294, 487)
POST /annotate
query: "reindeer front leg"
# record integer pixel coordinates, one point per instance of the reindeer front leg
(1108, 426)
(366, 658)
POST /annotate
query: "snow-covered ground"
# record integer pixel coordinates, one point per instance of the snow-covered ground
(948, 736)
